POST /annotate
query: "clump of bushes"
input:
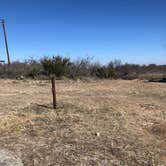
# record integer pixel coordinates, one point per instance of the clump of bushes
(64, 67)
(60, 66)
(30, 68)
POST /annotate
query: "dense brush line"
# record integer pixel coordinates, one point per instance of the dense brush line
(64, 67)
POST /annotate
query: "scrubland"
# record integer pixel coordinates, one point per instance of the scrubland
(97, 122)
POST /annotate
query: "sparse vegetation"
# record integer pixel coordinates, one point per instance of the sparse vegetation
(64, 67)
(99, 122)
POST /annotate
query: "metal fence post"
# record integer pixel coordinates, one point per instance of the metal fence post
(53, 92)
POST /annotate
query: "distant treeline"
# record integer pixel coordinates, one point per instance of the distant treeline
(64, 67)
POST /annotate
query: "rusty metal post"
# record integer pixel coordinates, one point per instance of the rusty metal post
(6, 43)
(53, 92)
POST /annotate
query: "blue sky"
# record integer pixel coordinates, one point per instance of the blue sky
(131, 30)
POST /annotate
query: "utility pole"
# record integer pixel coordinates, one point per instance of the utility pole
(6, 43)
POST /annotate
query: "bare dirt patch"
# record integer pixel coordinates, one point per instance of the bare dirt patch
(9, 159)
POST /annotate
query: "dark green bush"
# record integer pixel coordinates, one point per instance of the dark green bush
(106, 72)
(34, 72)
(56, 65)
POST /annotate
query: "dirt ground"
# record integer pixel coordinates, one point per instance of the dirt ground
(108, 122)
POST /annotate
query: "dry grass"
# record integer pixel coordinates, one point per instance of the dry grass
(96, 123)
(152, 76)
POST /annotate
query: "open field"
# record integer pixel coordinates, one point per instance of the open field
(106, 122)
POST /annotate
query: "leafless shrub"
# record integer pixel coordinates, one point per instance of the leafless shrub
(30, 68)
(64, 67)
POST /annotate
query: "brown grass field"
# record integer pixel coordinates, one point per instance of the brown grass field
(97, 122)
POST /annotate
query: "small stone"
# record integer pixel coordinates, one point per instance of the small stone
(97, 134)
